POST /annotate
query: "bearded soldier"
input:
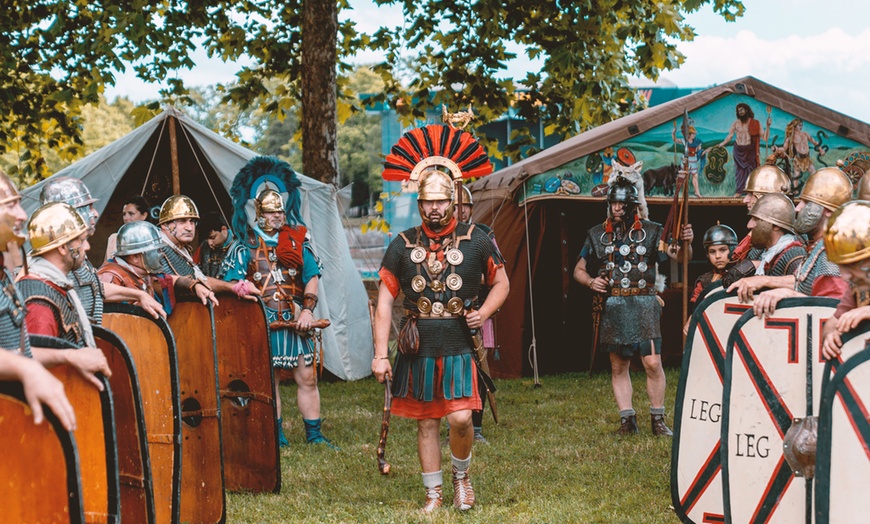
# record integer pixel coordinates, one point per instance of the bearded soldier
(90, 290)
(138, 264)
(825, 191)
(619, 260)
(764, 180)
(847, 244)
(440, 267)
(274, 252)
(771, 225)
(59, 241)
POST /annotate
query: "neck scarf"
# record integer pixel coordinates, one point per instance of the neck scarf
(48, 271)
(772, 251)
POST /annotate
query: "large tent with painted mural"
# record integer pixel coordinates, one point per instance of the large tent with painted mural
(541, 207)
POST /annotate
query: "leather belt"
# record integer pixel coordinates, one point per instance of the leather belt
(631, 291)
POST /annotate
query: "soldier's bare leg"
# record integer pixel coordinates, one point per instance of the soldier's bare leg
(621, 381)
(427, 444)
(461, 433)
(655, 380)
(307, 394)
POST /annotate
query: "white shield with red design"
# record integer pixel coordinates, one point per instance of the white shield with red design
(773, 375)
(696, 484)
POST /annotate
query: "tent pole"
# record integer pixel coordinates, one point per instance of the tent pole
(533, 348)
(173, 152)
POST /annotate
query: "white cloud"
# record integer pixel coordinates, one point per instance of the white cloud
(828, 68)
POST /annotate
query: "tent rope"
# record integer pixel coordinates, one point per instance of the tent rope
(153, 158)
(533, 347)
(202, 170)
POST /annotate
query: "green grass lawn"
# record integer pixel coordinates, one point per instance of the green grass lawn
(552, 458)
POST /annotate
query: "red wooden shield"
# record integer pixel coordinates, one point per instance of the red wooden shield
(248, 410)
(45, 455)
(134, 468)
(153, 349)
(202, 475)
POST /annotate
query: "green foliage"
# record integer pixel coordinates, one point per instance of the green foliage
(458, 54)
(100, 123)
(552, 458)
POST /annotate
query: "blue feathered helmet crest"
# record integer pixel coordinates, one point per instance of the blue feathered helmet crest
(260, 173)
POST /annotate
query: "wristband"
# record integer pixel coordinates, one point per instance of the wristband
(381, 358)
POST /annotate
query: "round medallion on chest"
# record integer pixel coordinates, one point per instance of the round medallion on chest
(608, 250)
(424, 305)
(435, 266)
(454, 257)
(625, 267)
(437, 308)
(437, 286)
(624, 250)
(641, 266)
(641, 250)
(625, 283)
(418, 283)
(609, 266)
(273, 257)
(418, 254)
(453, 281)
(454, 306)
(257, 276)
(641, 283)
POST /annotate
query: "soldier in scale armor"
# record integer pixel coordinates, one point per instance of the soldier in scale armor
(619, 261)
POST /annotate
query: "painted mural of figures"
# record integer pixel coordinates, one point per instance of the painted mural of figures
(797, 148)
(748, 135)
(693, 155)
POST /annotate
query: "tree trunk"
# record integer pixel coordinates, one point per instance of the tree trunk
(319, 40)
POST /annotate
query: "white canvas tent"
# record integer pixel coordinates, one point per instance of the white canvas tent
(141, 163)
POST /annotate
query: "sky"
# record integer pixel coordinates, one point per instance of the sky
(815, 50)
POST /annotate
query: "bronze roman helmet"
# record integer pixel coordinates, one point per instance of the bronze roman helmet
(829, 187)
(9, 198)
(776, 209)
(177, 207)
(52, 226)
(864, 187)
(435, 185)
(848, 237)
(268, 201)
(467, 200)
(767, 179)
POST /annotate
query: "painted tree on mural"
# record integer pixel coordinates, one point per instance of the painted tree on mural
(589, 50)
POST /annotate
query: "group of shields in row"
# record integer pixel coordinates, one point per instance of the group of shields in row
(766, 429)
(188, 413)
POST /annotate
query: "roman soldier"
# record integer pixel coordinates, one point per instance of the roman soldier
(273, 251)
(440, 268)
(619, 262)
(138, 264)
(59, 245)
(90, 290)
(825, 191)
(847, 244)
(763, 180)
